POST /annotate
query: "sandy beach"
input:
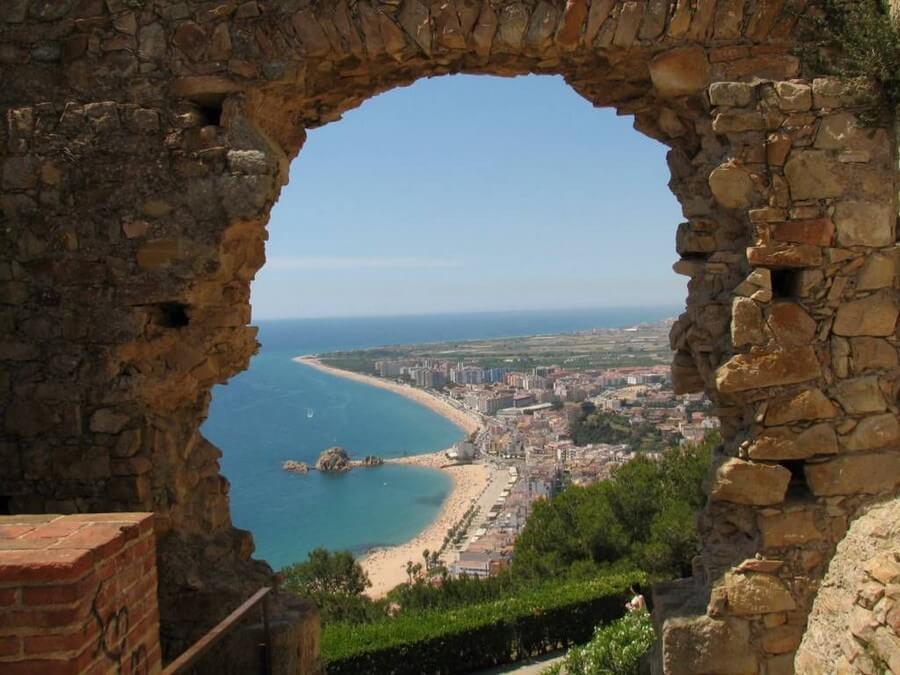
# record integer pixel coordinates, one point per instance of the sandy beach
(387, 567)
(465, 421)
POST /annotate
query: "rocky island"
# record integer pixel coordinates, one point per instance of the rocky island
(332, 460)
(293, 466)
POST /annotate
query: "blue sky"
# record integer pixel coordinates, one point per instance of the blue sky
(469, 193)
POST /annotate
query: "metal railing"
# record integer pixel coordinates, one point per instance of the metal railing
(182, 665)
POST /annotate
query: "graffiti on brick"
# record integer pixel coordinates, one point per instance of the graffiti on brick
(140, 664)
(113, 639)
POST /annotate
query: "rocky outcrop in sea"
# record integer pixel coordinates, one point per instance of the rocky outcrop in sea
(293, 466)
(332, 460)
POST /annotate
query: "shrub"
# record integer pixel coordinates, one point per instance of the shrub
(450, 592)
(526, 623)
(615, 649)
(857, 38)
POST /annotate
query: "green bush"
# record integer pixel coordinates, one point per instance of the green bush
(526, 623)
(450, 592)
(857, 38)
(615, 649)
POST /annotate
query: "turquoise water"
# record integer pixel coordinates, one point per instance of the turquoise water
(260, 419)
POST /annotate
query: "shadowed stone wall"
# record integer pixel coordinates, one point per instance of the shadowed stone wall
(145, 142)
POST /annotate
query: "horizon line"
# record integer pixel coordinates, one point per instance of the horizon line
(395, 315)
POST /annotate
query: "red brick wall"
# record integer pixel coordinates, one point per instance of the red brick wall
(78, 595)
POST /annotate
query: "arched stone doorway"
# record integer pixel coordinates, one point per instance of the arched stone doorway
(145, 143)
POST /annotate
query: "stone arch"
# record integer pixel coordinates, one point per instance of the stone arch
(145, 143)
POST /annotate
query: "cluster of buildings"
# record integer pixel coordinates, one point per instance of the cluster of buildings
(526, 430)
(642, 394)
(436, 373)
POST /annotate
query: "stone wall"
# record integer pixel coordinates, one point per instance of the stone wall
(810, 395)
(145, 143)
(855, 622)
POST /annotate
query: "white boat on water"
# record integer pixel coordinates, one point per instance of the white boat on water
(309, 413)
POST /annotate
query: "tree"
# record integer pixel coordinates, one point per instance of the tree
(643, 516)
(552, 539)
(325, 571)
(413, 571)
(335, 582)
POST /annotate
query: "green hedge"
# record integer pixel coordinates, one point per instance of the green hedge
(617, 647)
(526, 623)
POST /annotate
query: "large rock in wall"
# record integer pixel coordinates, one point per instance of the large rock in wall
(855, 621)
(145, 143)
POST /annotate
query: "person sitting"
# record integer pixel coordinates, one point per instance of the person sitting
(637, 602)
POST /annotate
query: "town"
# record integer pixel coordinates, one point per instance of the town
(545, 427)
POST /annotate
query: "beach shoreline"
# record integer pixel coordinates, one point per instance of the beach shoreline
(386, 566)
(463, 420)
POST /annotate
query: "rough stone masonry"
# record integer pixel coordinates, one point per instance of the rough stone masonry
(145, 141)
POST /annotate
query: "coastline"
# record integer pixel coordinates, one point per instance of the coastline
(386, 567)
(464, 421)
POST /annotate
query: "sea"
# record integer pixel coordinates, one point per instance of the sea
(279, 410)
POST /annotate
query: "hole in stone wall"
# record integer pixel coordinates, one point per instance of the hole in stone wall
(170, 315)
(5, 505)
(211, 113)
(797, 488)
(209, 108)
(784, 283)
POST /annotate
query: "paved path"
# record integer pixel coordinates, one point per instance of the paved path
(532, 667)
(485, 501)
(489, 497)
